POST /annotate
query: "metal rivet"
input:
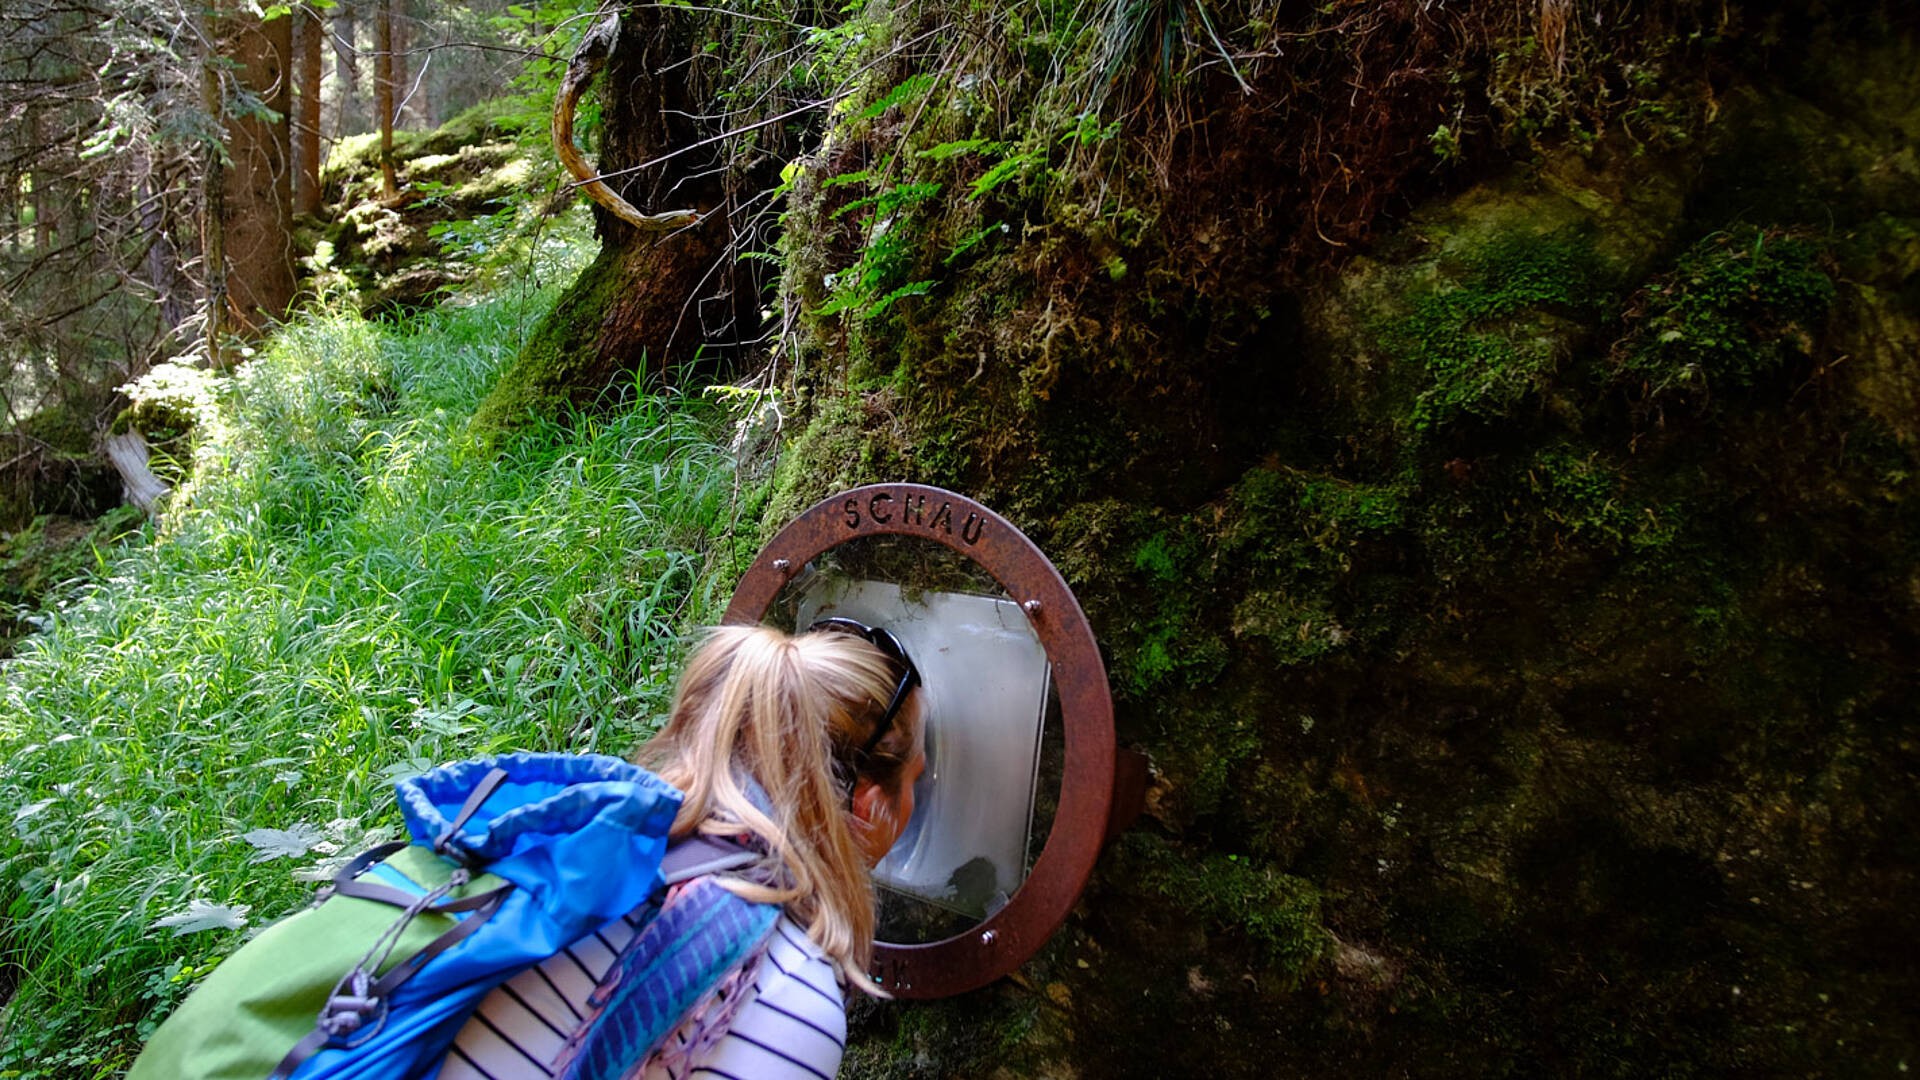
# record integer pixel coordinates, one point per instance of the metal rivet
(781, 565)
(987, 936)
(1032, 608)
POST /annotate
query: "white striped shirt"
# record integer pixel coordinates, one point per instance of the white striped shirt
(792, 1025)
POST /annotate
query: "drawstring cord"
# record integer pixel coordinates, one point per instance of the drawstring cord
(351, 1001)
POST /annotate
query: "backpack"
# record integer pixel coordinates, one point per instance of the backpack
(510, 861)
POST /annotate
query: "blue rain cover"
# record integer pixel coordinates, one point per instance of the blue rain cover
(581, 836)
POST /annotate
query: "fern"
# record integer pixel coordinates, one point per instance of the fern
(892, 199)
(858, 176)
(972, 240)
(947, 150)
(912, 288)
(1007, 169)
(914, 87)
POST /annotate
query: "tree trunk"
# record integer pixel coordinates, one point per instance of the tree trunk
(130, 456)
(383, 95)
(163, 261)
(42, 193)
(633, 314)
(213, 186)
(308, 30)
(259, 191)
(346, 71)
(402, 76)
(10, 214)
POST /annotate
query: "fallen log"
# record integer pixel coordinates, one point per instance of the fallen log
(128, 453)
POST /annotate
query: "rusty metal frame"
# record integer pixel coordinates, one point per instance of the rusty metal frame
(1008, 937)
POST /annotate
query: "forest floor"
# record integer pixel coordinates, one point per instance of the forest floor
(344, 591)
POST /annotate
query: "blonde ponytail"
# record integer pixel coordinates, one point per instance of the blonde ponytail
(789, 712)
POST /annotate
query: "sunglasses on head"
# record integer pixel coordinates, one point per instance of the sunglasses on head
(883, 640)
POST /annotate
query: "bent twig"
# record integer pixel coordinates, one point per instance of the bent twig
(587, 61)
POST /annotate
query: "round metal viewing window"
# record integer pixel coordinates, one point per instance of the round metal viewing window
(1015, 804)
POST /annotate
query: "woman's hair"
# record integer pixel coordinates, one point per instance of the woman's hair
(791, 712)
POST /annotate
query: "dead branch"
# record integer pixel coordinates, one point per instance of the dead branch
(587, 61)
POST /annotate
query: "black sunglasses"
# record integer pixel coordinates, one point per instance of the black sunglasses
(883, 640)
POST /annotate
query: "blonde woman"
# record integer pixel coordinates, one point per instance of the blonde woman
(804, 748)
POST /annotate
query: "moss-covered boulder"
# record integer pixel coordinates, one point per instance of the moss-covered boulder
(1517, 608)
(51, 467)
(465, 189)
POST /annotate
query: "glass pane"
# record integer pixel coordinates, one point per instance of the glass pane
(972, 837)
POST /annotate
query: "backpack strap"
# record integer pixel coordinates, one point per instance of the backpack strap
(691, 942)
(699, 854)
(482, 791)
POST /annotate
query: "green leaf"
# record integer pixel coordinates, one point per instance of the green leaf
(1001, 173)
(201, 915)
(271, 844)
(914, 288)
(915, 86)
(954, 149)
(842, 301)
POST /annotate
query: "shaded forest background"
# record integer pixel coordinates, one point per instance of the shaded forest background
(163, 185)
(1482, 437)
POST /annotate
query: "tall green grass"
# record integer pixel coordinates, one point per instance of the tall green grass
(347, 593)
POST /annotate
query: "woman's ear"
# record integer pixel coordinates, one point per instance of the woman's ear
(875, 822)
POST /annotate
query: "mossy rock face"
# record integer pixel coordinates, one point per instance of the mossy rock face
(1515, 613)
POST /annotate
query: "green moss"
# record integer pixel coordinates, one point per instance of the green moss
(357, 157)
(1738, 306)
(489, 121)
(1279, 913)
(158, 421)
(496, 177)
(1003, 1031)
(1353, 508)
(1489, 340)
(1274, 508)
(351, 156)
(1171, 642)
(850, 439)
(1156, 557)
(1296, 627)
(1584, 499)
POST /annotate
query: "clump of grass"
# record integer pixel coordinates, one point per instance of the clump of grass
(346, 593)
